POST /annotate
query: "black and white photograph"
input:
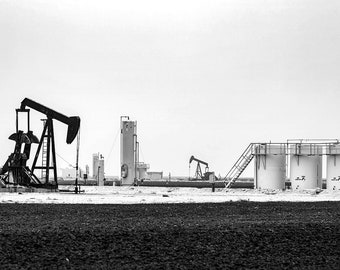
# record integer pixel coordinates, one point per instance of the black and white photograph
(169, 134)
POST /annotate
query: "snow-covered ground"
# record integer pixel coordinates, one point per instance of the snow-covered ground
(136, 195)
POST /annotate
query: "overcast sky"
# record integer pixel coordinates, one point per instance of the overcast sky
(202, 78)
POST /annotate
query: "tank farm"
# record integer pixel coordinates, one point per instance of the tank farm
(287, 216)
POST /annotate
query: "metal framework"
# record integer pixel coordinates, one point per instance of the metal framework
(290, 147)
(198, 171)
(15, 170)
(47, 137)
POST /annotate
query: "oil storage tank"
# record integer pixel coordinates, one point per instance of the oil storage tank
(270, 166)
(333, 167)
(305, 166)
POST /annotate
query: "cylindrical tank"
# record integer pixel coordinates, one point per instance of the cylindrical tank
(128, 152)
(305, 166)
(270, 166)
(101, 172)
(333, 167)
(142, 170)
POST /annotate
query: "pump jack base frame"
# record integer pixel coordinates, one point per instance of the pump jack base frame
(25, 178)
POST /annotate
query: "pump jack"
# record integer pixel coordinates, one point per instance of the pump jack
(198, 173)
(15, 171)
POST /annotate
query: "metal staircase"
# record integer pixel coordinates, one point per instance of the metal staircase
(239, 166)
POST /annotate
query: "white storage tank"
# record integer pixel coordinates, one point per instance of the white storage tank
(101, 175)
(270, 166)
(305, 166)
(142, 169)
(333, 167)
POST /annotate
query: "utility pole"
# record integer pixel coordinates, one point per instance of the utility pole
(77, 162)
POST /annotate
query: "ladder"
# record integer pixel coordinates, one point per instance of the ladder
(239, 166)
(44, 154)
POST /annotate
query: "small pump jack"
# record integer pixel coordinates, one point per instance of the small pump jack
(199, 175)
(198, 171)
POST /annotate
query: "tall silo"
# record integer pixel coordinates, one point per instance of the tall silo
(305, 166)
(128, 151)
(270, 166)
(333, 167)
(95, 158)
(98, 168)
(101, 169)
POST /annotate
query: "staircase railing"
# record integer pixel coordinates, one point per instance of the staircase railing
(239, 166)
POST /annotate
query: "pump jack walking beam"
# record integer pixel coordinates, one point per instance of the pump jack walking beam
(73, 124)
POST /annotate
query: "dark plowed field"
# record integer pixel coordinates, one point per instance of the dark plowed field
(175, 236)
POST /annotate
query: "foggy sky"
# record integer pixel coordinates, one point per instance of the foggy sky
(202, 78)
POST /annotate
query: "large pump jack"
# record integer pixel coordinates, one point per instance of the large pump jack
(15, 170)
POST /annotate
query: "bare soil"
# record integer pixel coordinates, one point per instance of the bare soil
(236, 235)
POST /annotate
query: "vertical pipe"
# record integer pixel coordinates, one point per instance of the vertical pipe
(98, 175)
(28, 120)
(135, 156)
(54, 160)
(16, 122)
(77, 161)
(135, 149)
(255, 169)
(48, 150)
